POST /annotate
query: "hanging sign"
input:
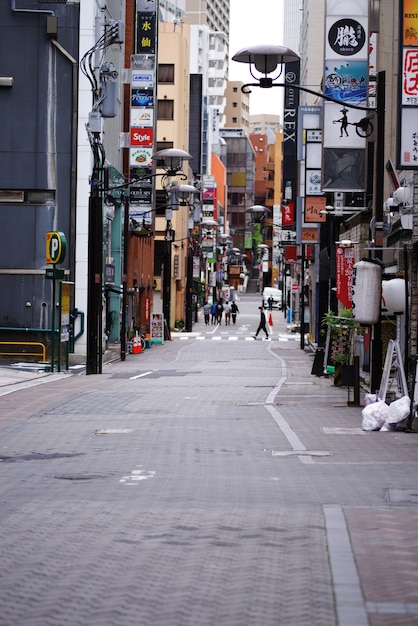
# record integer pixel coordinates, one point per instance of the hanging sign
(344, 278)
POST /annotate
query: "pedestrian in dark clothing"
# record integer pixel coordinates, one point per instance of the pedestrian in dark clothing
(270, 303)
(213, 313)
(262, 324)
(219, 311)
(206, 313)
(234, 311)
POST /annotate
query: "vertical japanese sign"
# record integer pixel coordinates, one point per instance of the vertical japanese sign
(209, 206)
(142, 117)
(408, 76)
(344, 278)
(346, 80)
(290, 163)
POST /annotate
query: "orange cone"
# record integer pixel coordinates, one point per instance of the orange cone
(270, 320)
(137, 348)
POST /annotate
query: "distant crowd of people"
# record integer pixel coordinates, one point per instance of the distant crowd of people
(213, 313)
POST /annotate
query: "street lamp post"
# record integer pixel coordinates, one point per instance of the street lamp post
(171, 161)
(184, 193)
(266, 59)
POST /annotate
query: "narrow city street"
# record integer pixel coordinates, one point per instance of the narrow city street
(209, 481)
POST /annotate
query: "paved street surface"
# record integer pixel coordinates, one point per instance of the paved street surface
(211, 481)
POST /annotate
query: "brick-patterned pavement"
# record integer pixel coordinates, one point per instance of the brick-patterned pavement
(203, 483)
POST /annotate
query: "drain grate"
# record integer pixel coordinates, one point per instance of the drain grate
(79, 477)
(115, 431)
(343, 431)
(402, 496)
(38, 456)
(285, 453)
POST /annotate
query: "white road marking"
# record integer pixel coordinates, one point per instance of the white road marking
(137, 475)
(140, 375)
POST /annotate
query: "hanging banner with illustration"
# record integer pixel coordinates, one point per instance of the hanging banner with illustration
(346, 80)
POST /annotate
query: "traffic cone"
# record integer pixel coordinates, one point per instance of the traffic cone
(137, 348)
(270, 320)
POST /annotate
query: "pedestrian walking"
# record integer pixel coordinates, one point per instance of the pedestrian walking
(213, 313)
(234, 311)
(262, 324)
(227, 311)
(219, 311)
(270, 303)
(206, 312)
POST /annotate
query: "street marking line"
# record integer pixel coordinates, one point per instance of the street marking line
(140, 375)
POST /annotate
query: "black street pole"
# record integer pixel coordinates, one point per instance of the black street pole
(123, 342)
(94, 284)
(167, 282)
(302, 300)
(189, 288)
(377, 360)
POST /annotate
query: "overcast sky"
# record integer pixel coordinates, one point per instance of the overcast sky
(255, 22)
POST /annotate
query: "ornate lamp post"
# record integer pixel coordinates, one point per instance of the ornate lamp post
(171, 161)
(266, 63)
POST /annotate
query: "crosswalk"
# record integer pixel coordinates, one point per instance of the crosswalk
(283, 337)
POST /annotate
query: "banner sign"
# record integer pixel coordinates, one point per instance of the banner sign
(345, 79)
(142, 115)
(344, 270)
(290, 116)
(315, 209)
(407, 157)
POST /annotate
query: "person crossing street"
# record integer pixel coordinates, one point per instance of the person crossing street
(234, 311)
(262, 324)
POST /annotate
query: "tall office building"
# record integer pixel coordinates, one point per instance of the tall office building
(210, 18)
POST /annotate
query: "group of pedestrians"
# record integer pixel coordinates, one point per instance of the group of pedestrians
(213, 315)
(214, 312)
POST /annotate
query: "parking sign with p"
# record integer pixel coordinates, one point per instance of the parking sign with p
(56, 245)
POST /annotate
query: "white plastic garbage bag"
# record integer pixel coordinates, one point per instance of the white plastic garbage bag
(374, 415)
(369, 398)
(398, 410)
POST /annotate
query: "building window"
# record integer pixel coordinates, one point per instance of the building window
(165, 109)
(234, 105)
(235, 89)
(163, 145)
(234, 120)
(166, 73)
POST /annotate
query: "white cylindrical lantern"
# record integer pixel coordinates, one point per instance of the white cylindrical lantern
(366, 292)
(393, 295)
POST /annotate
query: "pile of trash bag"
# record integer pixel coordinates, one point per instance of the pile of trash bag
(377, 415)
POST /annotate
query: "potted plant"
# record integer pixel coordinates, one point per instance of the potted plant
(339, 329)
(179, 325)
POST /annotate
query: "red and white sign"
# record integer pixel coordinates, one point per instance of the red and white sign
(410, 77)
(344, 266)
(291, 254)
(288, 214)
(141, 137)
